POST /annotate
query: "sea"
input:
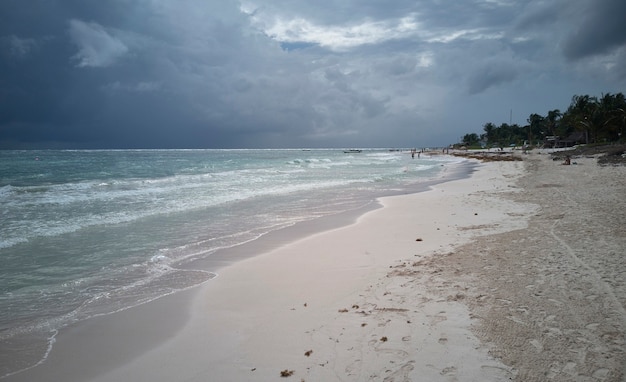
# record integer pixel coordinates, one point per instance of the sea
(85, 233)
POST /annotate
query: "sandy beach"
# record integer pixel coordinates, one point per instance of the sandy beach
(515, 273)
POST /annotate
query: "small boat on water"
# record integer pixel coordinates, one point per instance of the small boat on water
(352, 151)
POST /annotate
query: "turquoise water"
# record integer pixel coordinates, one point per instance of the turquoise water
(86, 233)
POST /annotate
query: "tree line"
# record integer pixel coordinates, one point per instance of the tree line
(586, 120)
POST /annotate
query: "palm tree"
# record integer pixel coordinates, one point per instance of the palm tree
(536, 125)
(612, 108)
(620, 116)
(552, 120)
(582, 112)
(490, 133)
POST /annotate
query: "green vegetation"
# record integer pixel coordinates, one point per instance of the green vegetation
(587, 120)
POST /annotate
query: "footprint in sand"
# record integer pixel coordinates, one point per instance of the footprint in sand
(537, 345)
(397, 353)
(440, 317)
(448, 371)
(592, 326)
(402, 374)
(570, 369)
(354, 368)
(600, 374)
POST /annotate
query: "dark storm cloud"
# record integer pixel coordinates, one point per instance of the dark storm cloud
(278, 73)
(491, 74)
(87, 80)
(602, 29)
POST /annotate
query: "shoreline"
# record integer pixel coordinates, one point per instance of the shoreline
(274, 239)
(336, 296)
(69, 337)
(514, 273)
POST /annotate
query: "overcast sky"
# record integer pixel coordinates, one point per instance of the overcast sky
(295, 73)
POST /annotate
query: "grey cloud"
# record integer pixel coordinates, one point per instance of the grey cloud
(138, 87)
(18, 47)
(491, 75)
(202, 73)
(601, 29)
(402, 65)
(96, 47)
(539, 14)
